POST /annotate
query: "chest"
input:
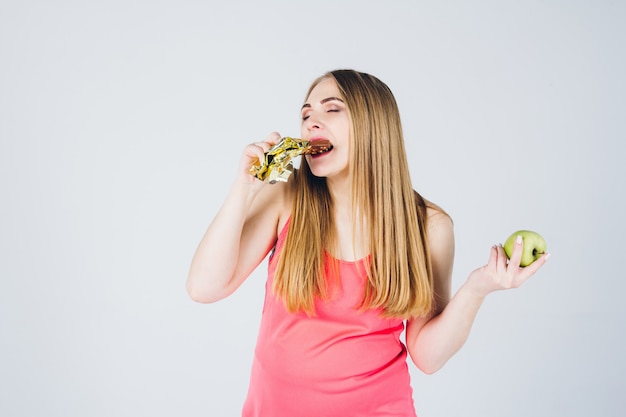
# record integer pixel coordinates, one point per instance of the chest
(351, 242)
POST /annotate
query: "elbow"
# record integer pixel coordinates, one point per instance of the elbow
(428, 365)
(200, 297)
(203, 295)
(428, 368)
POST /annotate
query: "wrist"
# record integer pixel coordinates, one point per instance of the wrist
(474, 291)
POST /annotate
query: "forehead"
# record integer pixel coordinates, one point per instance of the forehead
(324, 89)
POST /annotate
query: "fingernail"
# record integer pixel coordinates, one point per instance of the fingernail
(547, 256)
(518, 239)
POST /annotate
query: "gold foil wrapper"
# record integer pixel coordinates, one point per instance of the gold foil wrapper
(277, 164)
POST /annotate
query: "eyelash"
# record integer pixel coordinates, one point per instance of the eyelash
(327, 111)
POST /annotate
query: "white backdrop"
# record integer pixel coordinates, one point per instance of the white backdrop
(121, 122)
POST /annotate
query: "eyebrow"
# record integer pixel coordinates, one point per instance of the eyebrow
(326, 100)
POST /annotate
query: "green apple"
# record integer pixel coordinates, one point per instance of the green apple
(534, 246)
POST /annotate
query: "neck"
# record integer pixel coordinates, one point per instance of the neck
(351, 243)
(341, 192)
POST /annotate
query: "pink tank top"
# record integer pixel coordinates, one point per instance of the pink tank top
(341, 362)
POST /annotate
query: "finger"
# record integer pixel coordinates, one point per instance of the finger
(493, 258)
(257, 150)
(531, 269)
(273, 138)
(261, 147)
(502, 259)
(516, 256)
(265, 145)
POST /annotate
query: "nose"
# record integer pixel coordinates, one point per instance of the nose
(312, 122)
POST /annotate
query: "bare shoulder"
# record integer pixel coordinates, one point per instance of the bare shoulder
(287, 195)
(440, 235)
(438, 220)
(267, 215)
(273, 204)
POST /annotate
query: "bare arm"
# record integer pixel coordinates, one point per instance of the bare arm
(432, 341)
(241, 234)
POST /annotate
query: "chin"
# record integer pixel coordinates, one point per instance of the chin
(318, 173)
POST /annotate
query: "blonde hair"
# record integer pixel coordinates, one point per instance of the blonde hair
(392, 215)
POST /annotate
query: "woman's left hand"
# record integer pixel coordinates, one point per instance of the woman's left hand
(502, 273)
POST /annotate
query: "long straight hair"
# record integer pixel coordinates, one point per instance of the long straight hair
(387, 211)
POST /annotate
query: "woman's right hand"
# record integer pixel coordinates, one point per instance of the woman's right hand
(252, 154)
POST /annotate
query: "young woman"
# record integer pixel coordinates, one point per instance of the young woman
(355, 254)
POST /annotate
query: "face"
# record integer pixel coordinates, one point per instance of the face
(325, 116)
